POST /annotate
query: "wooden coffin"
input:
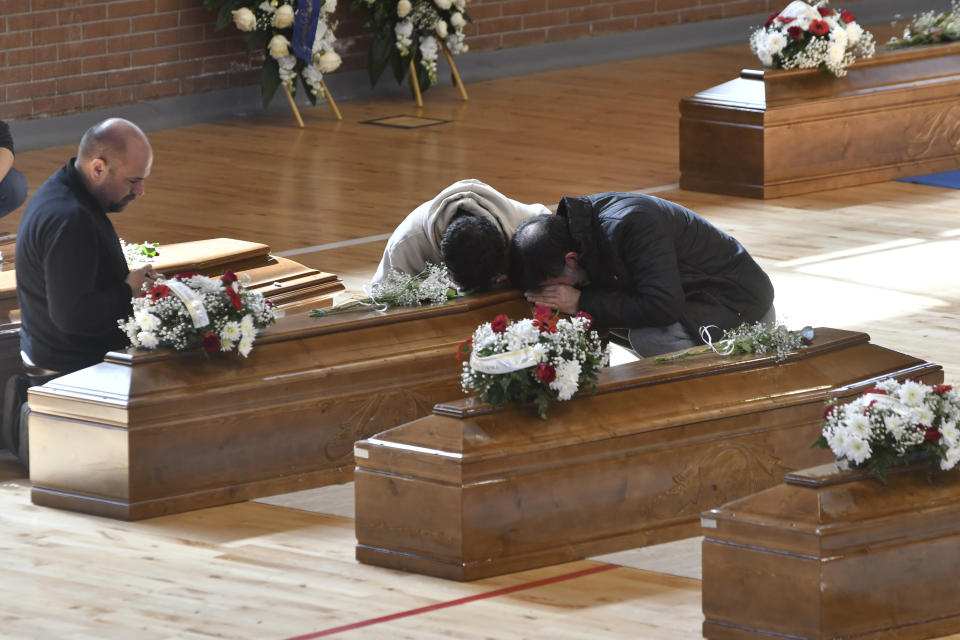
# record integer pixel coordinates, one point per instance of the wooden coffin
(289, 285)
(150, 433)
(836, 555)
(769, 134)
(469, 492)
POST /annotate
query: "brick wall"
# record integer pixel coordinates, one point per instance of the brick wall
(63, 56)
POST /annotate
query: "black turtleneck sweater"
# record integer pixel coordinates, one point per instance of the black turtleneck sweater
(70, 276)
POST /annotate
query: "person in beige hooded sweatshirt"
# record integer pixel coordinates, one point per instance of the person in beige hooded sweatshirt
(467, 226)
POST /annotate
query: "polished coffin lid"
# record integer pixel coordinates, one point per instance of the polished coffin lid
(668, 403)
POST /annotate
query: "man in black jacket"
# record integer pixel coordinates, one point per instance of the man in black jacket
(73, 283)
(13, 186)
(642, 264)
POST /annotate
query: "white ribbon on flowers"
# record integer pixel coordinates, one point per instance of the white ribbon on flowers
(376, 304)
(504, 362)
(191, 300)
(727, 346)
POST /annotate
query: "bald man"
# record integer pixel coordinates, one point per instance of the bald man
(73, 283)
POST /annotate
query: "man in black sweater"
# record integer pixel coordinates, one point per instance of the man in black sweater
(73, 284)
(13, 186)
(641, 264)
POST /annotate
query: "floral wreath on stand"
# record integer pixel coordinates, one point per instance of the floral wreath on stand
(410, 34)
(809, 37)
(297, 36)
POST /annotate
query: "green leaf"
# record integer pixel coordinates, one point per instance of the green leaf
(269, 80)
(380, 50)
(399, 65)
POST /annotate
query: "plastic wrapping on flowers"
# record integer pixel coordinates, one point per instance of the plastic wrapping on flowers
(190, 311)
(535, 360)
(895, 423)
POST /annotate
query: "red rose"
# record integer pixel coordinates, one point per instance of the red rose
(827, 412)
(785, 20)
(184, 276)
(825, 11)
(545, 319)
(210, 342)
(795, 32)
(234, 299)
(846, 16)
(769, 20)
(158, 292)
(589, 318)
(499, 324)
(941, 389)
(820, 27)
(931, 434)
(875, 390)
(546, 373)
(228, 278)
(463, 351)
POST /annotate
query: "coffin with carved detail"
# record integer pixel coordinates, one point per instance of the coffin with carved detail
(149, 433)
(471, 492)
(801, 130)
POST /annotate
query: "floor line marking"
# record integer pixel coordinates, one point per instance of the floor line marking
(459, 601)
(384, 236)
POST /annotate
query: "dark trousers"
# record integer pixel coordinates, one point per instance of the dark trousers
(15, 426)
(13, 191)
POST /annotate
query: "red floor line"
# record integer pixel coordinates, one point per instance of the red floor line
(459, 601)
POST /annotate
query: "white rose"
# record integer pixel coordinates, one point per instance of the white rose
(460, 4)
(403, 8)
(457, 20)
(244, 19)
(330, 6)
(443, 4)
(279, 46)
(441, 28)
(329, 62)
(283, 18)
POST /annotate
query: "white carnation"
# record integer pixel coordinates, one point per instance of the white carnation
(568, 379)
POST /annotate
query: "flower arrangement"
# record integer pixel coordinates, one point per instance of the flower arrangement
(895, 423)
(432, 285)
(930, 27)
(297, 36)
(808, 37)
(757, 338)
(406, 30)
(138, 255)
(190, 310)
(538, 360)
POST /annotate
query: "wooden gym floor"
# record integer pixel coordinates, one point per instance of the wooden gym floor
(879, 258)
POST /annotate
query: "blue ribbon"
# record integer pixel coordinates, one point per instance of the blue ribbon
(305, 28)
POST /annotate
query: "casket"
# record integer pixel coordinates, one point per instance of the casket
(469, 492)
(150, 433)
(768, 134)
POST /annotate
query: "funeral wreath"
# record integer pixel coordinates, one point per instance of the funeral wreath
(297, 37)
(809, 37)
(895, 423)
(535, 360)
(405, 30)
(190, 310)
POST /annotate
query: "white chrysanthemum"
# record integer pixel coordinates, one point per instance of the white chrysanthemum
(568, 379)
(950, 434)
(776, 41)
(912, 393)
(890, 385)
(856, 450)
(837, 441)
(839, 36)
(231, 331)
(539, 352)
(146, 320)
(858, 425)
(894, 425)
(246, 325)
(854, 32)
(951, 459)
(245, 345)
(835, 53)
(148, 339)
(524, 330)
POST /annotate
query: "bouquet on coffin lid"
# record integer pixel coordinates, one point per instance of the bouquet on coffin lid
(297, 37)
(535, 360)
(398, 289)
(930, 28)
(759, 338)
(808, 37)
(895, 423)
(190, 310)
(405, 30)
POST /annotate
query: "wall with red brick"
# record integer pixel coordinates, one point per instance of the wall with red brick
(64, 56)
